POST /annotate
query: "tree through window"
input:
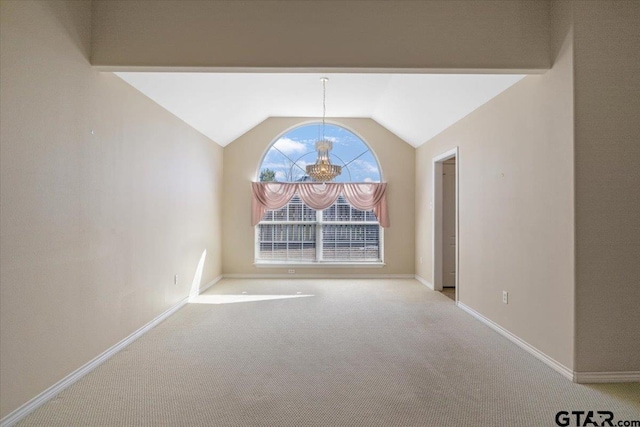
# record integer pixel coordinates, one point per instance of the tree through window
(338, 234)
(289, 155)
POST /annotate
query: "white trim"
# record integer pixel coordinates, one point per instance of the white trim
(317, 276)
(49, 393)
(319, 234)
(42, 398)
(319, 224)
(210, 284)
(424, 281)
(319, 264)
(436, 225)
(381, 243)
(318, 221)
(446, 155)
(606, 377)
(436, 194)
(557, 366)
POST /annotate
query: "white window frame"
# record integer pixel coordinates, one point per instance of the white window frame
(319, 262)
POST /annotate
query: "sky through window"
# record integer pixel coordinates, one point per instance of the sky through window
(293, 151)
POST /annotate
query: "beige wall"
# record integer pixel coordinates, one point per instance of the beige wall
(242, 158)
(607, 155)
(515, 208)
(93, 226)
(435, 34)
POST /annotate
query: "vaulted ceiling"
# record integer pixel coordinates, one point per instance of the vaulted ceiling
(415, 107)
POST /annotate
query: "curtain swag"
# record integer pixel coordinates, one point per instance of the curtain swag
(363, 196)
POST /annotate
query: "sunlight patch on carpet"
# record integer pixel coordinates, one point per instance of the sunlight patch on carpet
(230, 299)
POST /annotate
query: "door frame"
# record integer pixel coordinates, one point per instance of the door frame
(437, 218)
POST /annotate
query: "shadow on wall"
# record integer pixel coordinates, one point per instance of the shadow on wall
(75, 22)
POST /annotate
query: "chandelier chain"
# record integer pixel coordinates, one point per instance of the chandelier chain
(324, 103)
(322, 170)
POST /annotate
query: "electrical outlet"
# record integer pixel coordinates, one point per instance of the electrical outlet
(420, 260)
(175, 279)
(505, 297)
(292, 271)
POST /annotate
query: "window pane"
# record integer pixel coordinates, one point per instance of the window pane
(287, 242)
(342, 211)
(356, 241)
(295, 210)
(329, 214)
(351, 242)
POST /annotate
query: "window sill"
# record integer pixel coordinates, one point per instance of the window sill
(327, 264)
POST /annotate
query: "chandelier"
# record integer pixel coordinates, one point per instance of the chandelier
(323, 170)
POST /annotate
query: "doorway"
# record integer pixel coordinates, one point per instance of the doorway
(445, 223)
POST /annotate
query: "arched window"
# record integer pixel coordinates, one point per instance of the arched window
(297, 233)
(286, 159)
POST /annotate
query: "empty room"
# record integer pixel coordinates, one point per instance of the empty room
(319, 213)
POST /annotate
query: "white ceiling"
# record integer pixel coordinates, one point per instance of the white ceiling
(223, 106)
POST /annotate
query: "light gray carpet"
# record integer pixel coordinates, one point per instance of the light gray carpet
(356, 353)
(449, 293)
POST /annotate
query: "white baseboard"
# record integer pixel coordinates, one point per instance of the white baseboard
(210, 284)
(24, 410)
(317, 276)
(563, 370)
(577, 377)
(424, 282)
(606, 377)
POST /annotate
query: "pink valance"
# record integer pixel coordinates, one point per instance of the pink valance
(363, 196)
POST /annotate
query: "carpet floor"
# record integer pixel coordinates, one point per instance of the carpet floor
(325, 353)
(449, 293)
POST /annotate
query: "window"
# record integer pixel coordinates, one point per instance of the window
(299, 234)
(288, 234)
(349, 234)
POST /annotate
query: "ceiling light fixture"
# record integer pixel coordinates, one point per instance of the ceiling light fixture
(323, 170)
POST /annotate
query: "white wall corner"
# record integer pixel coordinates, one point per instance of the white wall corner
(557, 366)
(424, 282)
